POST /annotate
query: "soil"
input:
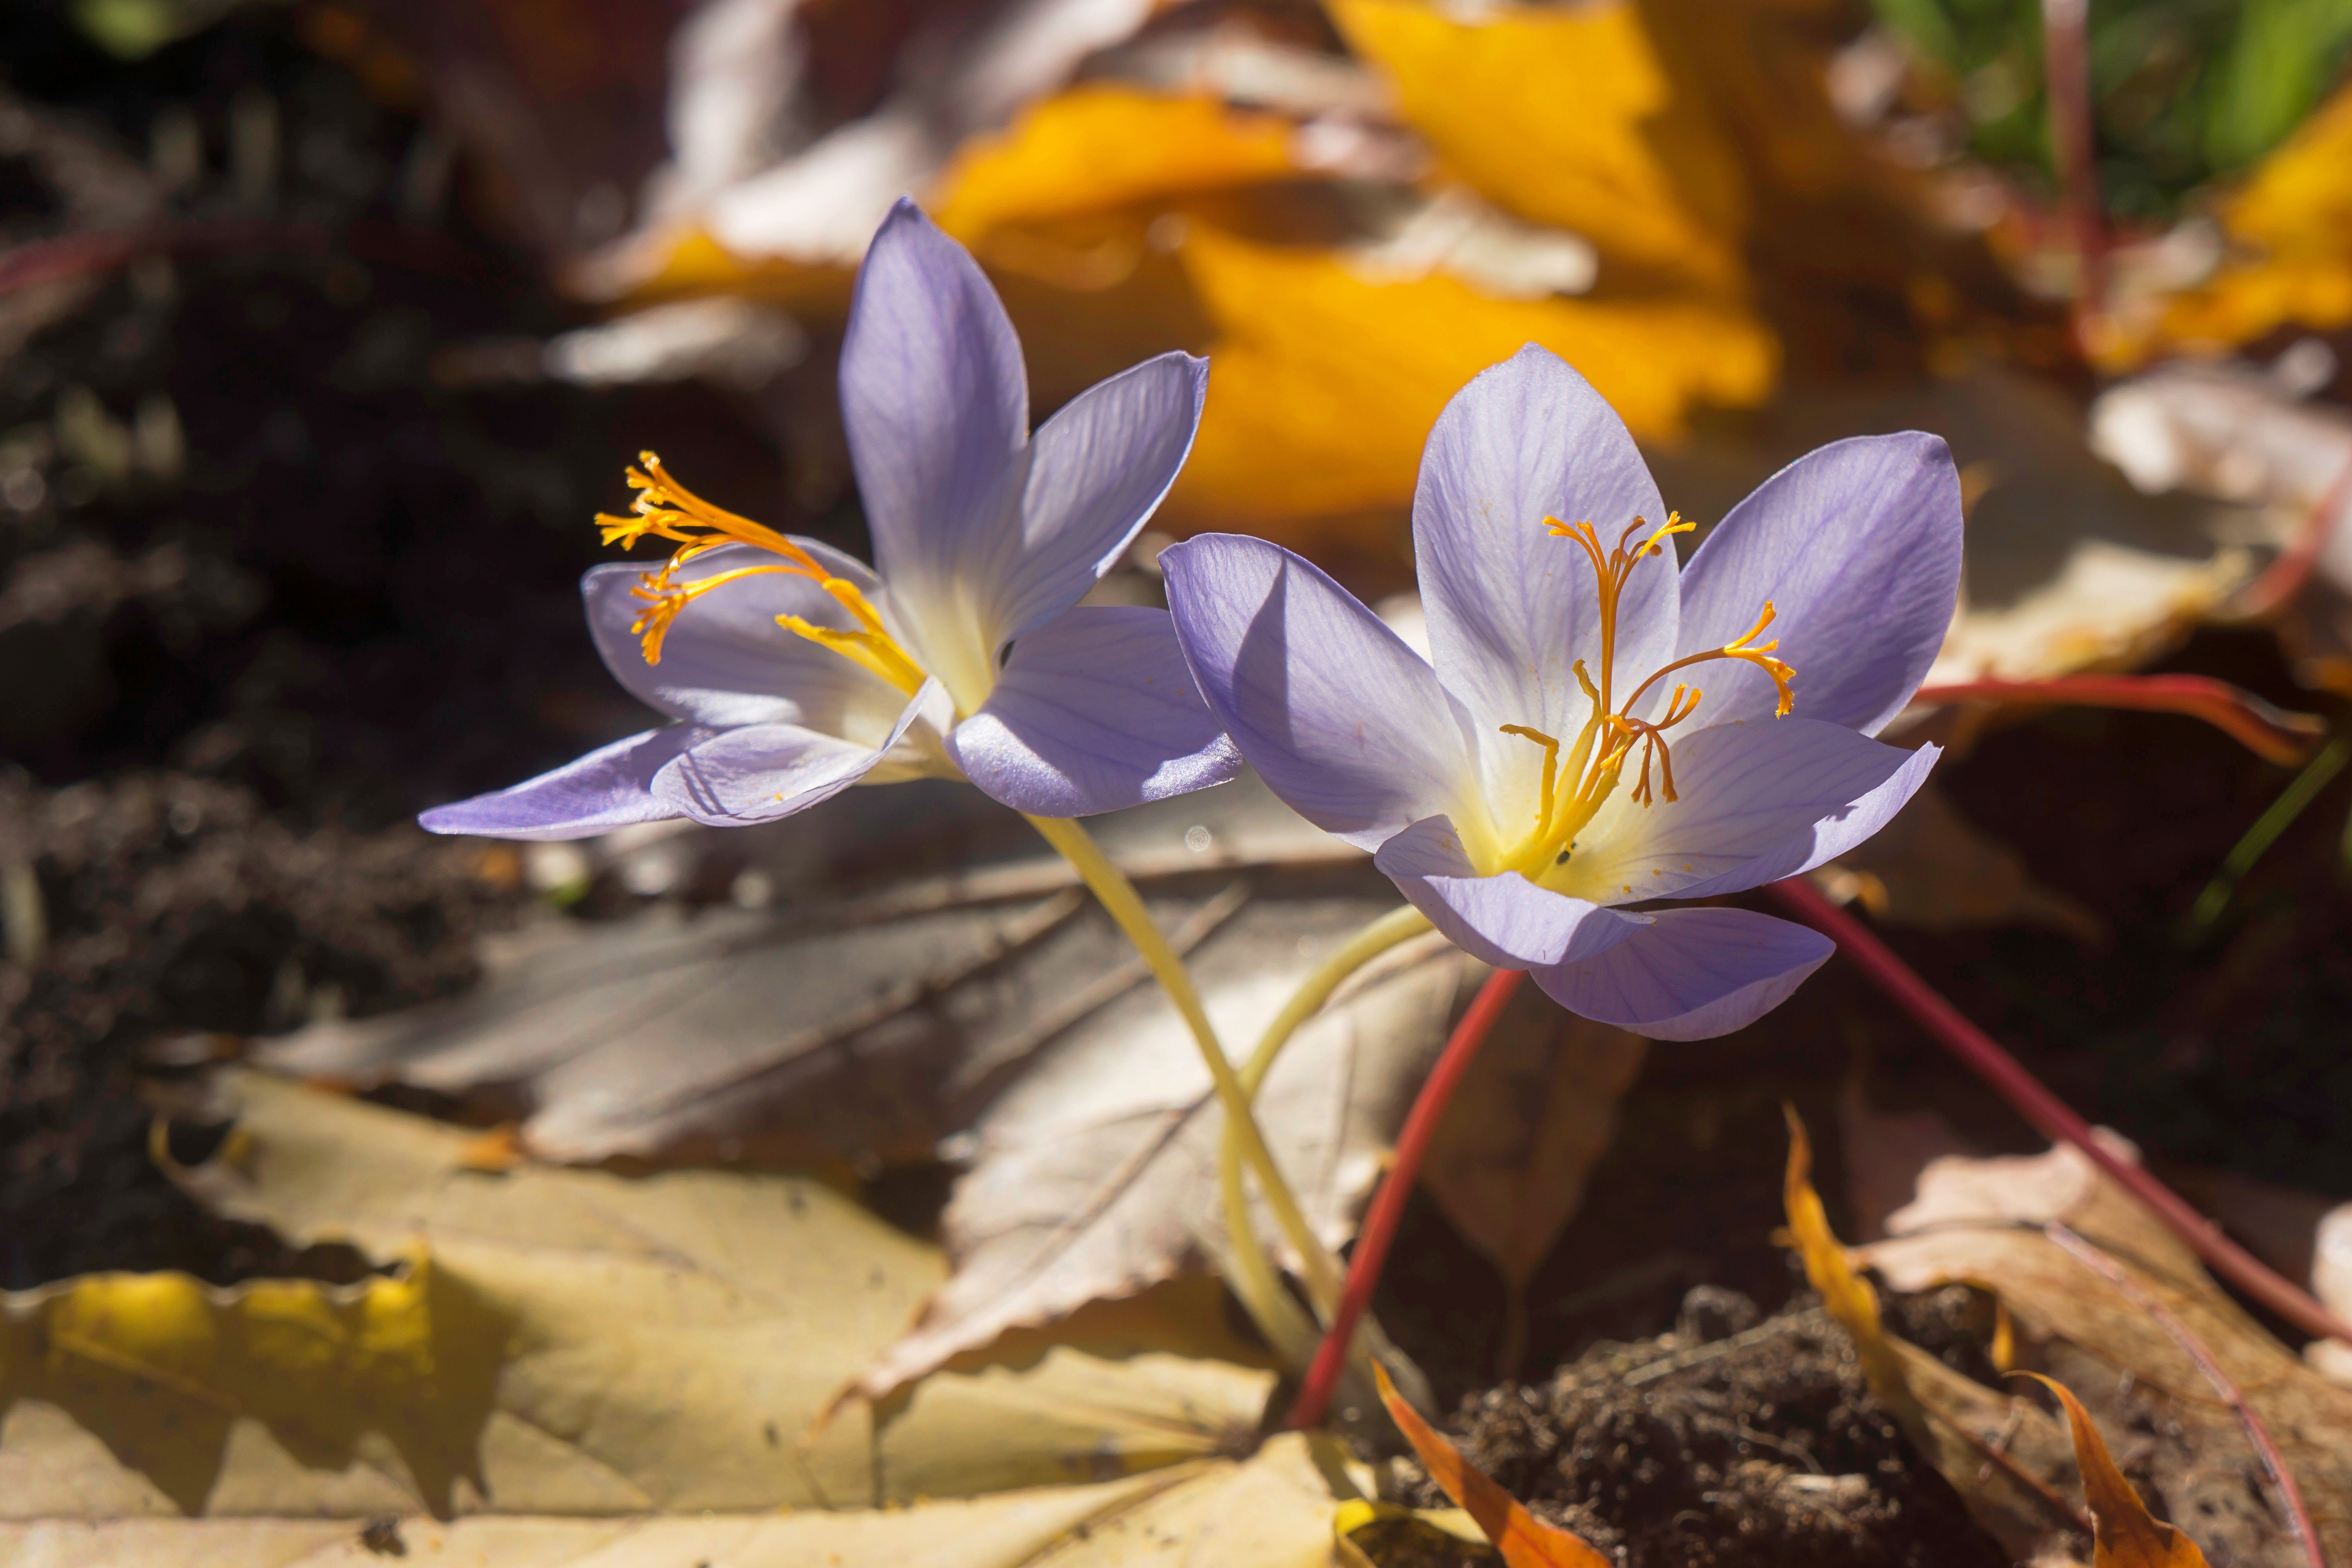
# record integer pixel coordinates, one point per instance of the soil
(287, 571)
(1728, 1442)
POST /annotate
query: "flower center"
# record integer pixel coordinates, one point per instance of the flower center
(1576, 786)
(665, 508)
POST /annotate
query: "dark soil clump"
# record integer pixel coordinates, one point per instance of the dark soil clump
(1698, 1448)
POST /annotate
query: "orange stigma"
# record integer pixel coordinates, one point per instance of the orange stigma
(663, 509)
(1575, 786)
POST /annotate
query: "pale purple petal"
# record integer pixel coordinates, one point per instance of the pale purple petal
(1760, 800)
(610, 787)
(1347, 725)
(1510, 606)
(1858, 547)
(1504, 921)
(725, 661)
(1095, 473)
(1094, 711)
(1692, 974)
(934, 399)
(758, 773)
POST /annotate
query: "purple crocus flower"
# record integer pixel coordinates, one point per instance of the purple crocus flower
(1601, 729)
(804, 671)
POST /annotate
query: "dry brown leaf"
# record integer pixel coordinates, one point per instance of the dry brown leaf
(1525, 1540)
(2128, 1536)
(1095, 1174)
(1534, 1115)
(1980, 1221)
(826, 1032)
(1995, 1451)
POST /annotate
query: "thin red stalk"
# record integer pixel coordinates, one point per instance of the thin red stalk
(2272, 733)
(1379, 1227)
(2066, 69)
(2053, 1116)
(2290, 1494)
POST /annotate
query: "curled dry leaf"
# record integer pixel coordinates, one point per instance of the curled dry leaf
(572, 1342)
(1019, 1036)
(1525, 1540)
(1980, 1221)
(1998, 1453)
(2129, 1535)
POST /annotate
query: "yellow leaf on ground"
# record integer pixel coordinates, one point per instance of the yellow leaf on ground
(1566, 116)
(1103, 145)
(1271, 1511)
(1323, 384)
(575, 1343)
(1845, 1294)
(1525, 1540)
(2129, 1535)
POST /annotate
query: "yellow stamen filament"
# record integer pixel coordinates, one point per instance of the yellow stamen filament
(663, 509)
(1574, 789)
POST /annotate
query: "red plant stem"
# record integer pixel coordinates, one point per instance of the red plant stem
(2290, 1494)
(2067, 70)
(1379, 1227)
(2272, 733)
(2050, 1115)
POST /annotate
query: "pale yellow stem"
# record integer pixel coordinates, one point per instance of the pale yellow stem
(1125, 906)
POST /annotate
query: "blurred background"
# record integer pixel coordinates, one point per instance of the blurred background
(326, 327)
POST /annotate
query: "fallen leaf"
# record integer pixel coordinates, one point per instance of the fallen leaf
(1995, 1450)
(1273, 1509)
(909, 1007)
(1326, 383)
(1525, 1540)
(572, 1342)
(1533, 1116)
(2128, 1536)
(1095, 1174)
(1106, 144)
(1980, 1221)
(1642, 173)
(2292, 225)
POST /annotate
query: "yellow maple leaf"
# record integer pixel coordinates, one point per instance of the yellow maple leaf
(1567, 117)
(1323, 382)
(2292, 224)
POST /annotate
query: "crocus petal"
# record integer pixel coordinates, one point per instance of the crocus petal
(725, 660)
(1347, 725)
(1095, 473)
(1760, 800)
(1858, 548)
(933, 397)
(1510, 606)
(1504, 921)
(1094, 711)
(1691, 974)
(758, 773)
(610, 787)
